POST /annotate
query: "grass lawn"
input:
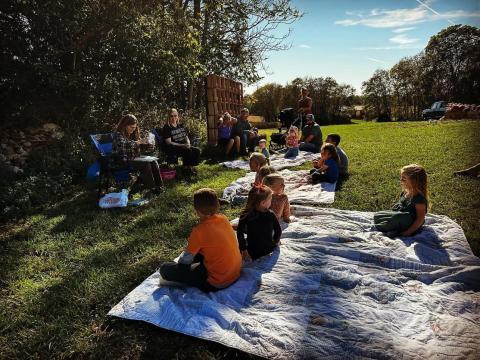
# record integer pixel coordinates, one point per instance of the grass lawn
(62, 269)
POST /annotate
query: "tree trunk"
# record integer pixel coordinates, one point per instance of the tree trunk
(191, 83)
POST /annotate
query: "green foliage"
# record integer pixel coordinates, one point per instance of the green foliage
(81, 65)
(267, 101)
(50, 171)
(377, 93)
(267, 125)
(22, 197)
(91, 60)
(329, 99)
(452, 64)
(196, 126)
(448, 69)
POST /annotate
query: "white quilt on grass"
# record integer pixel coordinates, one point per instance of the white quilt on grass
(297, 187)
(278, 161)
(335, 289)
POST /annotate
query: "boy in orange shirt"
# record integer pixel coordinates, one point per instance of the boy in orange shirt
(211, 261)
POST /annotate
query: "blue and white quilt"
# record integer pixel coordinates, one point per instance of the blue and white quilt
(335, 289)
(277, 161)
(298, 187)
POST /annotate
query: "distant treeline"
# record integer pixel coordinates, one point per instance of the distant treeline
(447, 69)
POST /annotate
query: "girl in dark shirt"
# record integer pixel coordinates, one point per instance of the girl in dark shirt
(259, 223)
(408, 214)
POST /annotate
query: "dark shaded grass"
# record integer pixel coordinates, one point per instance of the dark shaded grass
(62, 269)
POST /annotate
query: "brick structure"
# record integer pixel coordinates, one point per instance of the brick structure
(222, 95)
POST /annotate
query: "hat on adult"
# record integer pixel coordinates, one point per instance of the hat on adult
(310, 116)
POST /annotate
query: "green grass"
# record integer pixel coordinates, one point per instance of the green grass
(62, 269)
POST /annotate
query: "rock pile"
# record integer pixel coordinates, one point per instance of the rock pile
(16, 145)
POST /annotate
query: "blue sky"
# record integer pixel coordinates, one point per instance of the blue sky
(349, 40)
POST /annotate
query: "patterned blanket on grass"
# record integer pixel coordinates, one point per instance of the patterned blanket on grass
(278, 161)
(335, 289)
(297, 187)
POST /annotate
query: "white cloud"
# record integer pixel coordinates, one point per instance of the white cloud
(304, 46)
(383, 18)
(390, 47)
(403, 39)
(402, 30)
(377, 60)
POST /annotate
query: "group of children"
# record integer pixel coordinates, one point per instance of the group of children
(213, 256)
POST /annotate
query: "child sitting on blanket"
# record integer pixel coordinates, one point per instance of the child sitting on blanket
(326, 169)
(211, 261)
(335, 140)
(262, 147)
(257, 160)
(224, 127)
(264, 171)
(259, 223)
(280, 204)
(291, 141)
(241, 194)
(408, 214)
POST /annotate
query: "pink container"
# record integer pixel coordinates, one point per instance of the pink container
(168, 174)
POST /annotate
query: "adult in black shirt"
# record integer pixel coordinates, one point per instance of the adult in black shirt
(177, 141)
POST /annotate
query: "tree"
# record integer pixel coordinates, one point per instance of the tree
(452, 61)
(235, 36)
(329, 98)
(83, 63)
(377, 92)
(408, 94)
(90, 57)
(268, 101)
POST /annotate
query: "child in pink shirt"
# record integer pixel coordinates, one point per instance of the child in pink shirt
(292, 140)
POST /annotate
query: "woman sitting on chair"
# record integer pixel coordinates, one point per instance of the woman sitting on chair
(178, 143)
(126, 147)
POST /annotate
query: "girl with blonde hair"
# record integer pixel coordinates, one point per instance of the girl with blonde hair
(280, 204)
(292, 140)
(408, 214)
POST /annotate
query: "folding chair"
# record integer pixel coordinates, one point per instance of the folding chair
(170, 159)
(109, 169)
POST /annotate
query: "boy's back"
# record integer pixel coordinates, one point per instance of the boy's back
(215, 239)
(343, 168)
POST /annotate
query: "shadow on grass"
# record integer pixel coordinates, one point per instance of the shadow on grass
(341, 181)
(98, 256)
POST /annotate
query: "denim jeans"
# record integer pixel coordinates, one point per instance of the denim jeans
(291, 153)
(310, 147)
